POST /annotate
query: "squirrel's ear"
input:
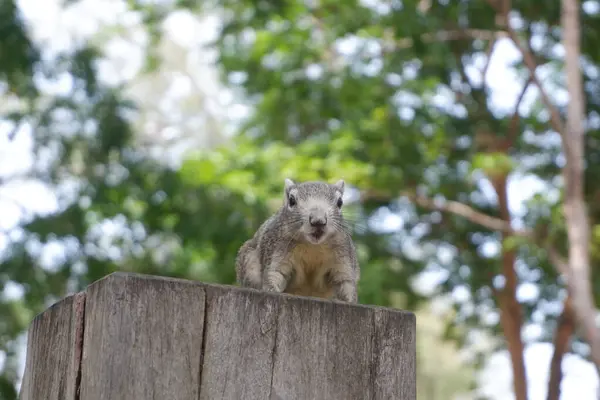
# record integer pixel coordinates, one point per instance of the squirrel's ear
(288, 184)
(339, 185)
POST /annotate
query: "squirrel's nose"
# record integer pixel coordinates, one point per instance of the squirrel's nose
(317, 221)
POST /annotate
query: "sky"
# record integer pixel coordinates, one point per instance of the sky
(58, 30)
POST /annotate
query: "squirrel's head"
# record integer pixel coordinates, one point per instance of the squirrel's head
(315, 207)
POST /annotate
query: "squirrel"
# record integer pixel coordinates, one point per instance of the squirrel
(303, 249)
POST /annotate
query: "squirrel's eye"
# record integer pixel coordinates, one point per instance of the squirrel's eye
(292, 201)
(340, 202)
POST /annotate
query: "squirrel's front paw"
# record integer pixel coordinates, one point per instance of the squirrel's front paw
(274, 281)
(271, 288)
(347, 298)
(346, 291)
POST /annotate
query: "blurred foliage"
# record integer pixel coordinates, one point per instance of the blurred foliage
(362, 83)
(386, 95)
(442, 373)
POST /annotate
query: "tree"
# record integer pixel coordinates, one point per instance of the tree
(575, 209)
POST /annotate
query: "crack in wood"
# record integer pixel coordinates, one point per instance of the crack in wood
(79, 307)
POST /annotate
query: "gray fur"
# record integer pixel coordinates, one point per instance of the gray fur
(283, 256)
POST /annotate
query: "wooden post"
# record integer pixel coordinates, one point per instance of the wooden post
(137, 337)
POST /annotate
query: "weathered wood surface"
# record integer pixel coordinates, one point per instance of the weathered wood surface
(54, 352)
(158, 338)
(142, 339)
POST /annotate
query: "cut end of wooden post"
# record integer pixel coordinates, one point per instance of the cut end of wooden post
(134, 337)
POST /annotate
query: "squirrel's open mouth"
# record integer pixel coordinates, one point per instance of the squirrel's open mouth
(317, 234)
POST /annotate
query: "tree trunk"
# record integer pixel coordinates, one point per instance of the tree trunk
(510, 310)
(564, 331)
(578, 228)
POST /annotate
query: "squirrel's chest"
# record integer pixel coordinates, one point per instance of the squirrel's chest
(310, 267)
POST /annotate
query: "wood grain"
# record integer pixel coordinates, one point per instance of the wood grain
(148, 338)
(326, 358)
(143, 339)
(241, 328)
(53, 356)
(276, 346)
(394, 355)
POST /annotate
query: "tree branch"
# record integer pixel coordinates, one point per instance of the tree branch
(564, 330)
(561, 265)
(511, 311)
(458, 34)
(513, 130)
(469, 213)
(477, 217)
(531, 64)
(452, 207)
(450, 36)
(488, 60)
